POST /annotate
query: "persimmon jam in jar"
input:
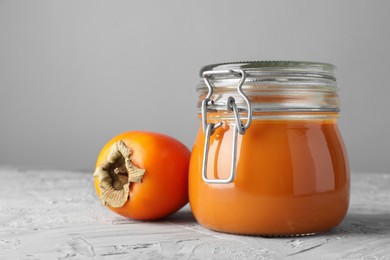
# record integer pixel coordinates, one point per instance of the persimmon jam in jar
(269, 158)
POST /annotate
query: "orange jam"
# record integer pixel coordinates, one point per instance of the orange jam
(292, 178)
(291, 172)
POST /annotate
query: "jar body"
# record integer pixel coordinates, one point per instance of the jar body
(292, 178)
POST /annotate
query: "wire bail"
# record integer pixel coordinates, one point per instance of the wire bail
(209, 128)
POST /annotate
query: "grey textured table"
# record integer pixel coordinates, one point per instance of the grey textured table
(56, 215)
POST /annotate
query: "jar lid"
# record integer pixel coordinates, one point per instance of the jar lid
(276, 72)
(269, 64)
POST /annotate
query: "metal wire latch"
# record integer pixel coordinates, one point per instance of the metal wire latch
(209, 128)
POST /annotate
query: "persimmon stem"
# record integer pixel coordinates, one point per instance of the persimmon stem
(116, 174)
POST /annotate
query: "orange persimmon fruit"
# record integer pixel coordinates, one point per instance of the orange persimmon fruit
(161, 163)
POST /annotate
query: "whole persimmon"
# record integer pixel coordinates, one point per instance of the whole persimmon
(143, 175)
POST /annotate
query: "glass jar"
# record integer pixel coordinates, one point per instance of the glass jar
(269, 158)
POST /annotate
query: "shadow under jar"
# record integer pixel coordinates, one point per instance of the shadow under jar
(269, 158)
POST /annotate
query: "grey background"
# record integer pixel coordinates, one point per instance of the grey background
(73, 74)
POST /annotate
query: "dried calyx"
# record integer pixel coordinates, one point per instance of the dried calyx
(116, 174)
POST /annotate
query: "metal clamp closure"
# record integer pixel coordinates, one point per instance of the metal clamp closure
(209, 128)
